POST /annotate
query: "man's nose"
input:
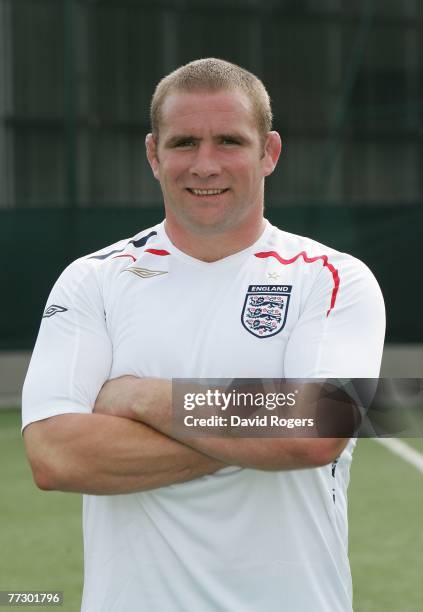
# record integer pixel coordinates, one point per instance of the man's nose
(205, 163)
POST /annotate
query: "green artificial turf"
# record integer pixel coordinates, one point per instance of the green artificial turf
(386, 531)
(40, 532)
(41, 542)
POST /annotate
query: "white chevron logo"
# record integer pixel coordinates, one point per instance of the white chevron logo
(144, 272)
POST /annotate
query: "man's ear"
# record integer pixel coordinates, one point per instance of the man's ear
(151, 150)
(272, 150)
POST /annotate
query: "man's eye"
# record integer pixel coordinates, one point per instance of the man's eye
(185, 143)
(229, 141)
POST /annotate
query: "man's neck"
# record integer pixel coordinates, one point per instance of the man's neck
(214, 246)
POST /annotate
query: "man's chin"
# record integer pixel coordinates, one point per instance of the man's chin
(207, 220)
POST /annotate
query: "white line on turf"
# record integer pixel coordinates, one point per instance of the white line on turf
(403, 450)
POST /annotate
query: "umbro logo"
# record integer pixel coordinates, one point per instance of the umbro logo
(145, 272)
(50, 311)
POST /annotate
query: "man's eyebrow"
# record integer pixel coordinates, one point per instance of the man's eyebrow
(177, 138)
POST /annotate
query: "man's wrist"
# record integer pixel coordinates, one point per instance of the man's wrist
(152, 400)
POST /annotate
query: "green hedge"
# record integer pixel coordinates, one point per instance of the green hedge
(38, 244)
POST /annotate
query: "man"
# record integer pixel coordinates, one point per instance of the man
(201, 523)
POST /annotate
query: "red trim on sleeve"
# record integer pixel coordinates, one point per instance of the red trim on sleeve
(157, 251)
(308, 259)
(125, 255)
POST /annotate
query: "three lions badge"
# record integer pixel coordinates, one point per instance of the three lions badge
(265, 309)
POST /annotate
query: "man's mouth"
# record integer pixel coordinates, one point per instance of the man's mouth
(206, 192)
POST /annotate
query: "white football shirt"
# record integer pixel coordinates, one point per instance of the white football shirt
(240, 540)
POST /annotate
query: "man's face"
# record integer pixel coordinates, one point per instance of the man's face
(211, 161)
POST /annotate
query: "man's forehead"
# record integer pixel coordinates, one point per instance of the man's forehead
(197, 106)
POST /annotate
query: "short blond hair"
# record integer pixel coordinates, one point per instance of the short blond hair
(212, 75)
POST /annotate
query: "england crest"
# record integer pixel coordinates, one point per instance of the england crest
(265, 309)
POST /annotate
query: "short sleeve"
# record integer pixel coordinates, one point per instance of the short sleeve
(343, 341)
(73, 353)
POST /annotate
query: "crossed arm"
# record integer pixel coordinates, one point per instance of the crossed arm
(127, 445)
(149, 401)
(105, 454)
